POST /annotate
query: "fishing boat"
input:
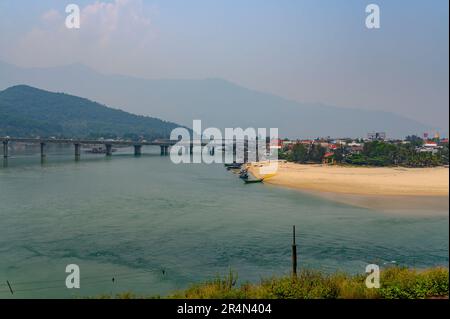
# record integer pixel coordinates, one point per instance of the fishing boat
(266, 169)
(252, 181)
(233, 166)
(99, 150)
(243, 175)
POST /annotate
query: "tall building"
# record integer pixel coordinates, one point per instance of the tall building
(376, 136)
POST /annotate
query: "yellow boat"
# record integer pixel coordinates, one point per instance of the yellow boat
(264, 170)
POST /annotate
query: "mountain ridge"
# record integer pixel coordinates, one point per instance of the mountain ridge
(217, 102)
(26, 111)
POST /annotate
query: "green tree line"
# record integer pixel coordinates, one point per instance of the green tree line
(376, 153)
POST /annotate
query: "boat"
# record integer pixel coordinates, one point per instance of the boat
(265, 169)
(252, 181)
(243, 173)
(243, 176)
(99, 150)
(233, 166)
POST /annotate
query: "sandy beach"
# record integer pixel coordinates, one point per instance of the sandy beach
(375, 187)
(363, 180)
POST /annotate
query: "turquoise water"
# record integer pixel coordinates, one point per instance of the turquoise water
(157, 227)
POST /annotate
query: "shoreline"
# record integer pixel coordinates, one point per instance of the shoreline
(385, 188)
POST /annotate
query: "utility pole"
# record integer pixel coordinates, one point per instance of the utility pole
(294, 253)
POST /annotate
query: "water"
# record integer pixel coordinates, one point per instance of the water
(157, 227)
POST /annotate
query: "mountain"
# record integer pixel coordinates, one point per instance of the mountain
(26, 111)
(218, 103)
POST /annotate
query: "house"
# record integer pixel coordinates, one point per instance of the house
(430, 144)
(328, 158)
(276, 143)
(332, 147)
(429, 147)
(306, 142)
(340, 142)
(355, 148)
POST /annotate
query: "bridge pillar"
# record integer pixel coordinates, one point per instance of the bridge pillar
(164, 150)
(77, 150)
(257, 148)
(5, 149)
(234, 150)
(224, 156)
(246, 149)
(42, 150)
(137, 150)
(108, 149)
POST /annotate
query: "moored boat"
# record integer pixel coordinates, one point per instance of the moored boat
(252, 181)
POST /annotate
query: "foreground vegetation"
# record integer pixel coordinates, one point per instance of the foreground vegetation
(396, 283)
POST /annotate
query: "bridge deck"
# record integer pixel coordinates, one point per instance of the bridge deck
(90, 142)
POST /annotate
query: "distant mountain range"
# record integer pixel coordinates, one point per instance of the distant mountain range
(29, 112)
(216, 102)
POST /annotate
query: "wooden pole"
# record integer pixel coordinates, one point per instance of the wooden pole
(294, 253)
(10, 288)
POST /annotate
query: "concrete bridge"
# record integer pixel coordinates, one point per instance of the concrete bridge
(164, 144)
(77, 143)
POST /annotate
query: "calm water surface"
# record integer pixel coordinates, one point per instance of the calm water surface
(156, 227)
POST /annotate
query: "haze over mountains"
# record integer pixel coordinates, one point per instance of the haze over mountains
(216, 102)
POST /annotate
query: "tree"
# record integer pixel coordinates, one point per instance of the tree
(299, 153)
(339, 154)
(414, 140)
(316, 153)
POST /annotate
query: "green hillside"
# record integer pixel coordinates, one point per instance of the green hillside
(30, 112)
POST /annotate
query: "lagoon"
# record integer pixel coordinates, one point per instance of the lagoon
(156, 227)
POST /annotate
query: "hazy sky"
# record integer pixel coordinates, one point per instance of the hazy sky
(306, 50)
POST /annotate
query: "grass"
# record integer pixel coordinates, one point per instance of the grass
(395, 283)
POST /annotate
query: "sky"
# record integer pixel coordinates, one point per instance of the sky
(315, 51)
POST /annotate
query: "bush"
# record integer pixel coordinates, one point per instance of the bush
(396, 283)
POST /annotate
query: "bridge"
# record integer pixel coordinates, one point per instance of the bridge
(77, 143)
(164, 144)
